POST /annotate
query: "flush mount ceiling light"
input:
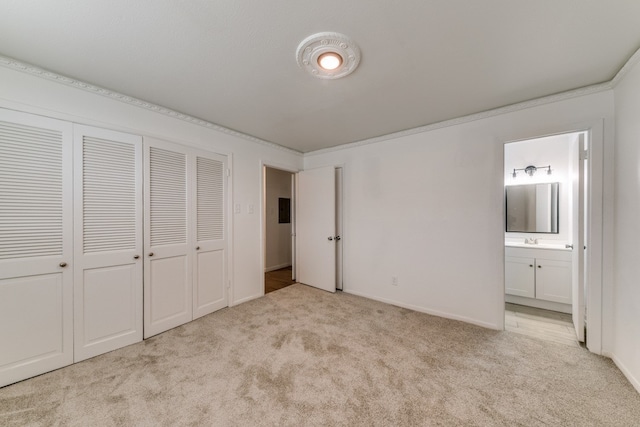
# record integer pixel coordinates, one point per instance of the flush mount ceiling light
(328, 55)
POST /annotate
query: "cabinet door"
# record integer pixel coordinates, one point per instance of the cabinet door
(210, 260)
(167, 260)
(519, 276)
(108, 241)
(553, 280)
(36, 237)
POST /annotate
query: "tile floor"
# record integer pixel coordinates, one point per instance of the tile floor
(543, 324)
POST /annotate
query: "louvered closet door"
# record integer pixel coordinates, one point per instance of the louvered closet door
(210, 196)
(168, 270)
(108, 241)
(36, 281)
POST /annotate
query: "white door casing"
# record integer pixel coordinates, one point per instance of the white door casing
(108, 241)
(36, 245)
(167, 264)
(209, 233)
(578, 213)
(315, 228)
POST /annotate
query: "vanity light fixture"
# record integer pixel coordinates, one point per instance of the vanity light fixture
(328, 55)
(531, 170)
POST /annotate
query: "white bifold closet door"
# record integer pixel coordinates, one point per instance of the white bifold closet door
(210, 260)
(36, 283)
(108, 241)
(167, 264)
(185, 235)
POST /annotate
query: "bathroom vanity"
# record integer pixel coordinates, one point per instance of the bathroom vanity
(538, 276)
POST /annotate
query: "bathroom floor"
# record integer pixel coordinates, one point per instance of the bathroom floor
(538, 323)
(278, 279)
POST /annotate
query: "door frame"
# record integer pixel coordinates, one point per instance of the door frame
(598, 167)
(263, 215)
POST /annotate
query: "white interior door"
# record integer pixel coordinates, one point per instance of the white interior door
(578, 276)
(167, 264)
(316, 227)
(210, 260)
(108, 241)
(36, 237)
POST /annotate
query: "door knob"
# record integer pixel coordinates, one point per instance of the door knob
(197, 248)
(150, 253)
(136, 256)
(530, 265)
(63, 264)
(338, 238)
(330, 238)
(539, 266)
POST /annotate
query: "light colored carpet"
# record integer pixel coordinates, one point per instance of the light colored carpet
(300, 356)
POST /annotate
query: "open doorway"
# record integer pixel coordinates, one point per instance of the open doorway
(278, 225)
(545, 237)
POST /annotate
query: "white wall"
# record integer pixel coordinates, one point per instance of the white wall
(429, 209)
(626, 346)
(25, 92)
(278, 236)
(555, 151)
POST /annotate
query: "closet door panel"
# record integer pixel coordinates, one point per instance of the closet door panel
(36, 281)
(168, 292)
(108, 236)
(210, 197)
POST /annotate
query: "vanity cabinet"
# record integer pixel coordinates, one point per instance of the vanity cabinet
(542, 274)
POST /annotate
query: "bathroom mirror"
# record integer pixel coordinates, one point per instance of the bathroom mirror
(532, 208)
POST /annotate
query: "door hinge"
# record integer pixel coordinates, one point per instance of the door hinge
(584, 155)
(228, 172)
(229, 285)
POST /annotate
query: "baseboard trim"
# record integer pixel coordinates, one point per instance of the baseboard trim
(426, 310)
(276, 267)
(633, 380)
(246, 299)
(546, 305)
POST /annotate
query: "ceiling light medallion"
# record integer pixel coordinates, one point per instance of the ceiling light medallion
(328, 55)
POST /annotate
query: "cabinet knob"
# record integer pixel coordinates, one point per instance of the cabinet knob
(136, 256)
(63, 264)
(530, 265)
(539, 266)
(150, 253)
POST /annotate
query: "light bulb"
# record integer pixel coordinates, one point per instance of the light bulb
(329, 61)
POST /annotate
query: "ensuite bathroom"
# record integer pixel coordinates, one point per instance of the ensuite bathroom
(545, 238)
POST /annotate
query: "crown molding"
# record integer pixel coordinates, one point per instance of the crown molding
(575, 93)
(562, 96)
(628, 66)
(79, 84)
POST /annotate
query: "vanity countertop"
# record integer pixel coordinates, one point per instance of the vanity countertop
(554, 246)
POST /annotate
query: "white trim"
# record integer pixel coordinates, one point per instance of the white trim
(598, 166)
(575, 93)
(635, 382)
(586, 90)
(426, 311)
(631, 62)
(79, 84)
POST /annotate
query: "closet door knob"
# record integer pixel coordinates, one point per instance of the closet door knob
(63, 264)
(150, 253)
(530, 265)
(197, 248)
(539, 266)
(136, 256)
(330, 238)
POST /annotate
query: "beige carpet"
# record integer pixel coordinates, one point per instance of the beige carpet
(300, 357)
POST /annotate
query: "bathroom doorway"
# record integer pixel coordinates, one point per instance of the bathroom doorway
(546, 188)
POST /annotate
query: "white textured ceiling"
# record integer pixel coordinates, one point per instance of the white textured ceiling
(233, 62)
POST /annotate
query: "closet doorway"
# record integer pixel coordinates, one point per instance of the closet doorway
(278, 220)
